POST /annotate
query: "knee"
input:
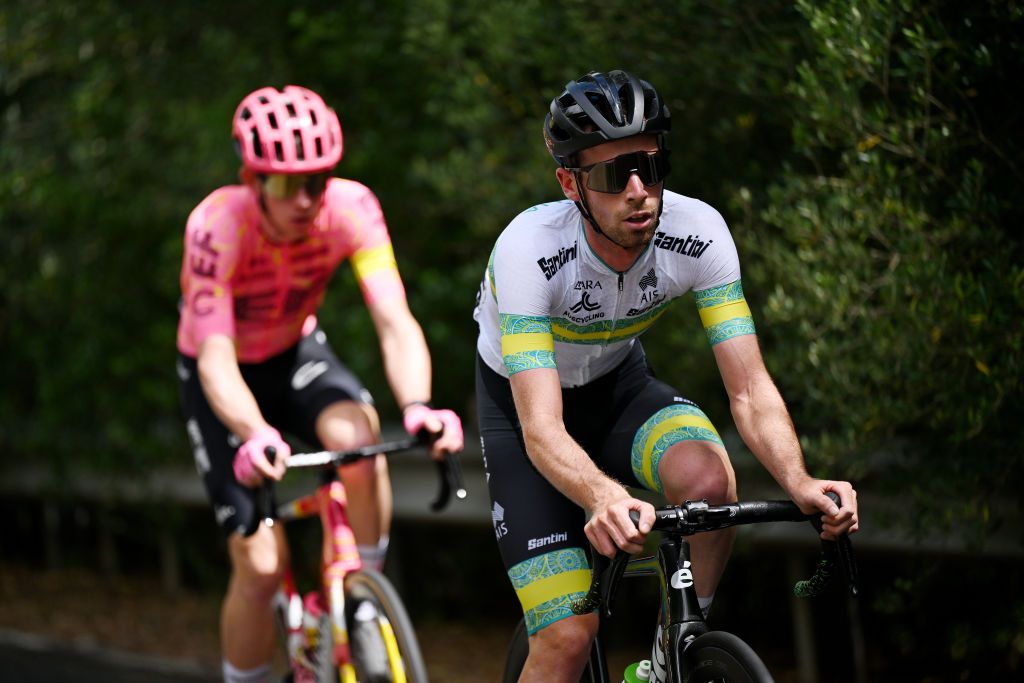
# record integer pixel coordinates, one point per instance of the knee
(715, 481)
(696, 472)
(257, 568)
(347, 425)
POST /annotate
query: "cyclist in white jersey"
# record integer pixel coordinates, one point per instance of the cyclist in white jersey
(570, 411)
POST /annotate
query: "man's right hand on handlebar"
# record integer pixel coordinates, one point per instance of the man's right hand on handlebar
(610, 528)
(251, 465)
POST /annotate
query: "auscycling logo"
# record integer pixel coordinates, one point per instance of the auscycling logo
(584, 304)
(690, 246)
(551, 265)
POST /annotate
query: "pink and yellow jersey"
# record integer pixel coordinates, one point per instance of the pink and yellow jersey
(236, 282)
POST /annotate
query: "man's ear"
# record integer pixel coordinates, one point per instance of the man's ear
(567, 179)
(248, 177)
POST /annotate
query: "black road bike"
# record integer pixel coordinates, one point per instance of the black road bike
(685, 649)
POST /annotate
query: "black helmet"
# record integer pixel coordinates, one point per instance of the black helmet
(600, 107)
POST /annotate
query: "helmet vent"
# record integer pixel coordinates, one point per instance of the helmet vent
(279, 150)
(272, 119)
(291, 109)
(319, 147)
(300, 151)
(257, 148)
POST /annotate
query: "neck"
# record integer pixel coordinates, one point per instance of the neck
(614, 255)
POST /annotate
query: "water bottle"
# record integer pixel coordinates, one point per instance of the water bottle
(637, 672)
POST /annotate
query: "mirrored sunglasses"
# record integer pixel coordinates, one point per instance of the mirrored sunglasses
(612, 176)
(287, 185)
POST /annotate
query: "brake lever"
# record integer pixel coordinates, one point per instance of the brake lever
(444, 491)
(265, 499)
(449, 473)
(838, 551)
(609, 585)
(845, 548)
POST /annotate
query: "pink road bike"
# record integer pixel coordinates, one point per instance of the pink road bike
(353, 628)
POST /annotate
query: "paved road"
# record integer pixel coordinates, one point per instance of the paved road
(33, 659)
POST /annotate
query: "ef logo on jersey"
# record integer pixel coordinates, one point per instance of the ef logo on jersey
(683, 578)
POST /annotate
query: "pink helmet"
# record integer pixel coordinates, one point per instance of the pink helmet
(287, 131)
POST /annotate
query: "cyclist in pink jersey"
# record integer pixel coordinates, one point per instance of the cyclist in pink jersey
(252, 360)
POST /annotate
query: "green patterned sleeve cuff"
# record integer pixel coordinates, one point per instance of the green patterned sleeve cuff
(526, 343)
(724, 312)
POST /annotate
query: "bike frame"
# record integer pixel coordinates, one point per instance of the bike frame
(340, 557)
(340, 553)
(680, 617)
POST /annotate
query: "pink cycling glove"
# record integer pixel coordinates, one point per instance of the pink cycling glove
(415, 417)
(251, 452)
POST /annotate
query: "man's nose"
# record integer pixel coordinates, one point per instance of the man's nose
(634, 186)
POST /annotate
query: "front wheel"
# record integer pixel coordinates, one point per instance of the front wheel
(384, 644)
(720, 657)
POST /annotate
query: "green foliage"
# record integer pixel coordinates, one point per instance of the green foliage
(896, 285)
(867, 156)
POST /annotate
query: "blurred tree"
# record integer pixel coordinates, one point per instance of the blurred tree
(870, 190)
(113, 126)
(890, 254)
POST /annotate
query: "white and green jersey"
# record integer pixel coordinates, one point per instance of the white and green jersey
(548, 301)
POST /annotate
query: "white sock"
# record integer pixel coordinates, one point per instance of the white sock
(260, 674)
(705, 604)
(373, 556)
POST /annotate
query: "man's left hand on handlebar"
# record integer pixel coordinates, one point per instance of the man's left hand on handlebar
(444, 423)
(835, 521)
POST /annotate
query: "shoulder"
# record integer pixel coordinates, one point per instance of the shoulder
(696, 243)
(343, 194)
(224, 210)
(542, 227)
(688, 212)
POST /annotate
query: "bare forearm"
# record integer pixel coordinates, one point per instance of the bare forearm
(407, 363)
(226, 391)
(567, 466)
(764, 423)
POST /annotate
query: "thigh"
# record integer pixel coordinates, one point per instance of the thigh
(655, 418)
(316, 380)
(539, 531)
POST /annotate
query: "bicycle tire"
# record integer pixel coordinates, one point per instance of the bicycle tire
(519, 648)
(396, 633)
(721, 657)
